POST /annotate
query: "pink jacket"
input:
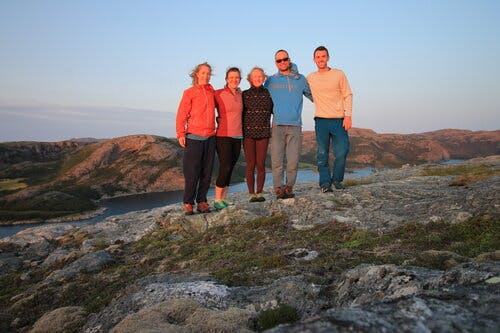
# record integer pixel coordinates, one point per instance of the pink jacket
(230, 108)
(196, 112)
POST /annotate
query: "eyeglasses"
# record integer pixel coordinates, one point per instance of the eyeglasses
(279, 61)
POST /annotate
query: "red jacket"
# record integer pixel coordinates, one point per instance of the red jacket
(196, 112)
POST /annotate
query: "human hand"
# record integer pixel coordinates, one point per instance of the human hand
(182, 141)
(347, 123)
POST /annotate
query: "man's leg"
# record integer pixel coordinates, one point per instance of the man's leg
(340, 149)
(277, 155)
(293, 145)
(322, 155)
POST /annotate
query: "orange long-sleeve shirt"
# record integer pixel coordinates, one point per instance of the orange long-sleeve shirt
(196, 112)
(331, 94)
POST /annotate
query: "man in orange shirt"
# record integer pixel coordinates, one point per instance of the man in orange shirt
(332, 117)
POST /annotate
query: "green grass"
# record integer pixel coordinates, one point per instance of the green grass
(283, 314)
(254, 253)
(466, 174)
(12, 184)
(305, 165)
(10, 285)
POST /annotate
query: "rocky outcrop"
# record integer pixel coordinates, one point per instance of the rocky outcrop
(391, 299)
(154, 270)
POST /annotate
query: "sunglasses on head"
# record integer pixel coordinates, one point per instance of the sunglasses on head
(279, 61)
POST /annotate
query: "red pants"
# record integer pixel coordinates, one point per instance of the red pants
(255, 156)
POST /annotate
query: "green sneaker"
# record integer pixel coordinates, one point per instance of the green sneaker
(227, 202)
(219, 204)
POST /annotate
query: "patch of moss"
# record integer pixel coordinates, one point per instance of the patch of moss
(359, 239)
(12, 184)
(271, 262)
(93, 294)
(255, 252)
(100, 244)
(283, 314)
(467, 174)
(10, 285)
(267, 221)
(160, 240)
(469, 238)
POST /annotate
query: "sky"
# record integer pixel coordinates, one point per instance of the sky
(103, 69)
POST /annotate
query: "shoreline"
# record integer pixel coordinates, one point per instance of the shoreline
(102, 210)
(61, 219)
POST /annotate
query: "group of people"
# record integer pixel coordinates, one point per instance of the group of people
(246, 117)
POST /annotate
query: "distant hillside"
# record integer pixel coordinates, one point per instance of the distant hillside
(394, 150)
(67, 181)
(42, 180)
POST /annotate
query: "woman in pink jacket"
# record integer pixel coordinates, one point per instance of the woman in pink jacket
(229, 133)
(195, 127)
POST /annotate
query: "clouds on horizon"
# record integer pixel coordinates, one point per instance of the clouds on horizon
(52, 122)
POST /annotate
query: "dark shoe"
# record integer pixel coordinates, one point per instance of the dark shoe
(188, 209)
(260, 197)
(280, 194)
(253, 198)
(203, 207)
(288, 192)
(326, 189)
(339, 185)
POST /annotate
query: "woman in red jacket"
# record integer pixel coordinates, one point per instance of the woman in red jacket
(195, 127)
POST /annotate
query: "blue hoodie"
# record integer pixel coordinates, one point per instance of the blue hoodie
(286, 92)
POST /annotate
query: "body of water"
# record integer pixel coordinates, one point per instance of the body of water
(130, 203)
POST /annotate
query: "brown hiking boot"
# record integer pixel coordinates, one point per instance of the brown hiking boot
(288, 192)
(203, 207)
(279, 193)
(188, 209)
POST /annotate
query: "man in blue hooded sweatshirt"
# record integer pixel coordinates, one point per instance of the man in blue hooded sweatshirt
(287, 89)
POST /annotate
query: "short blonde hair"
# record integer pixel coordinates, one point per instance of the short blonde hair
(196, 70)
(256, 68)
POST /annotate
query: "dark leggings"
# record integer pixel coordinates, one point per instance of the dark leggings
(255, 156)
(228, 151)
(197, 167)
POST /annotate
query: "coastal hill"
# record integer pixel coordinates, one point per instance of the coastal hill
(48, 180)
(410, 249)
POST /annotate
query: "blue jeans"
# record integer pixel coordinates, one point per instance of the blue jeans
(331, 129)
